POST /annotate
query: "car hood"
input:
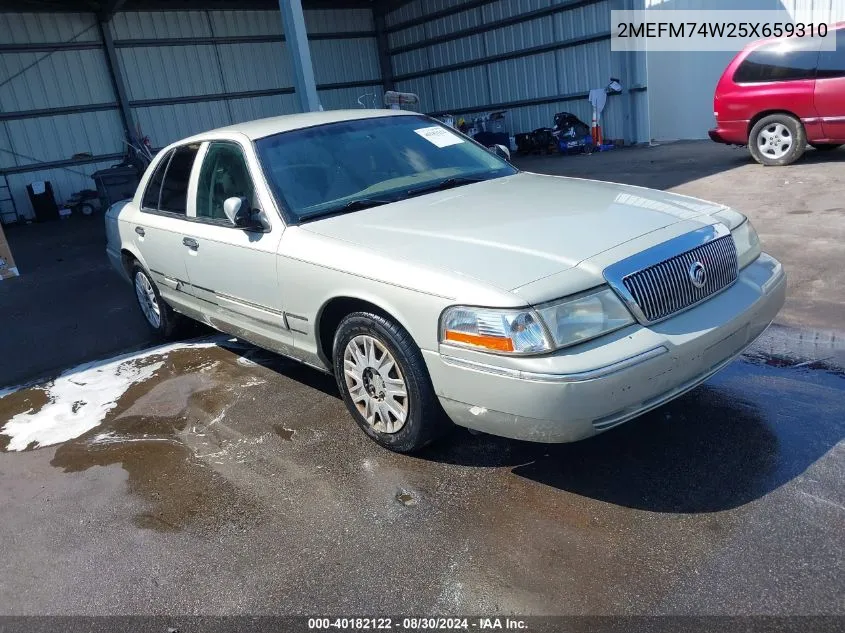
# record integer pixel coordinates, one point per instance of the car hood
(511, 231)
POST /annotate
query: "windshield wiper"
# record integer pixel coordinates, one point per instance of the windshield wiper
(363, 203)
(352, 205)
(442, 185)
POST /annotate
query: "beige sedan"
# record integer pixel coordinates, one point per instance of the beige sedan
(438, 282)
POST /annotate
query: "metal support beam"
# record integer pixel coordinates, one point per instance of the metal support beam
(32, 114)
(109, 8)
(220, 96)
(488, 75)
(48, 47)
(436, 15)
(117, 80)
(383, 44)
(232, 39)
(620, 68)
(80, 6)
(244, 94)
(293, 22)
(624, 63)
(61, 164)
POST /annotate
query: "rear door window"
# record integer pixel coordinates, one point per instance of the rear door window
(782, 60)
(174, 189)
(150, 199)
(832, 63)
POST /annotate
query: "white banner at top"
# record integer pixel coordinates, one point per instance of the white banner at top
(714, 30)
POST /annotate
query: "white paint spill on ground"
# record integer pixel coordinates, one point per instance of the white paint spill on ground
(78, 401)
(80, 398)
(113, 438)
(253, 382)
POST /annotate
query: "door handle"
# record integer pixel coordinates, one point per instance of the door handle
(190, 243)
(140, 230)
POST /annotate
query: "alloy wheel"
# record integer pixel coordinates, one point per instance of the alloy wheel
(375, 384)
(147, 299)
(774, 140)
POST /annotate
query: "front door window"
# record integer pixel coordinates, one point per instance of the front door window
(224, 175)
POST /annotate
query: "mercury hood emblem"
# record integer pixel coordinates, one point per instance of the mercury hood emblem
(697, 274)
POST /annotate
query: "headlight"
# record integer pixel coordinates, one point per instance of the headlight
(745, 237)
(532, 331)
(747, 244)
(576, 319)
(505, 331)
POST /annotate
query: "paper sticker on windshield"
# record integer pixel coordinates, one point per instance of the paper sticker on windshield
(439, 136)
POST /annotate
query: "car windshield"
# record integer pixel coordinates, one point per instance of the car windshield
(351, 165)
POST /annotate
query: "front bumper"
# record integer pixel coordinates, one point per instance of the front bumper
(589, 388)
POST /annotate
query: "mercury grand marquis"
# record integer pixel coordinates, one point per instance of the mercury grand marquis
(437, 281)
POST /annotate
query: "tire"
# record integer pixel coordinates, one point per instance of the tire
(767, 138)
(826, 147)
(169, 324)
(364, 344)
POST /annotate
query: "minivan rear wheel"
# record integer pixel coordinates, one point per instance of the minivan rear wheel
(777, 139)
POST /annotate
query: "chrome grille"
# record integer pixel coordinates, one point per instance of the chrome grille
(666, 288)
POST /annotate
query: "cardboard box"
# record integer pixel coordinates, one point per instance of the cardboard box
(7, 263)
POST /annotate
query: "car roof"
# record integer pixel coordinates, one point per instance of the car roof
(260, 128)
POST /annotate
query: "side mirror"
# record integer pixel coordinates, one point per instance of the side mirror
(501, 151)
(239, 213)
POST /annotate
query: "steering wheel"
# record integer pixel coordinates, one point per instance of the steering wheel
(313, 178)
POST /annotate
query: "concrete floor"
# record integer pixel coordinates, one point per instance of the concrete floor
(227, 480)
(68, 306)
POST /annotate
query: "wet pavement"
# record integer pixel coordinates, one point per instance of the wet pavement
(214, 478)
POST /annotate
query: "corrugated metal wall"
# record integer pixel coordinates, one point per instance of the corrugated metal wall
(185, 72)
(207, 60)
(531, 57)
(33, 80)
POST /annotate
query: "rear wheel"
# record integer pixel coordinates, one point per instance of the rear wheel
(384, 382)
(826, 147)
(777, 139)
(161, 318)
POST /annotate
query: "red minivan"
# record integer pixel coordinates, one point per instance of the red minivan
(778, 95)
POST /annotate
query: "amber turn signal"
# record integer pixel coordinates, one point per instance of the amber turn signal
(498, 343)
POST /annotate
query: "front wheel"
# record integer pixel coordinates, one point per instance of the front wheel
(826, 147)
(384, 382)
(163, 321)
(777, 139)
